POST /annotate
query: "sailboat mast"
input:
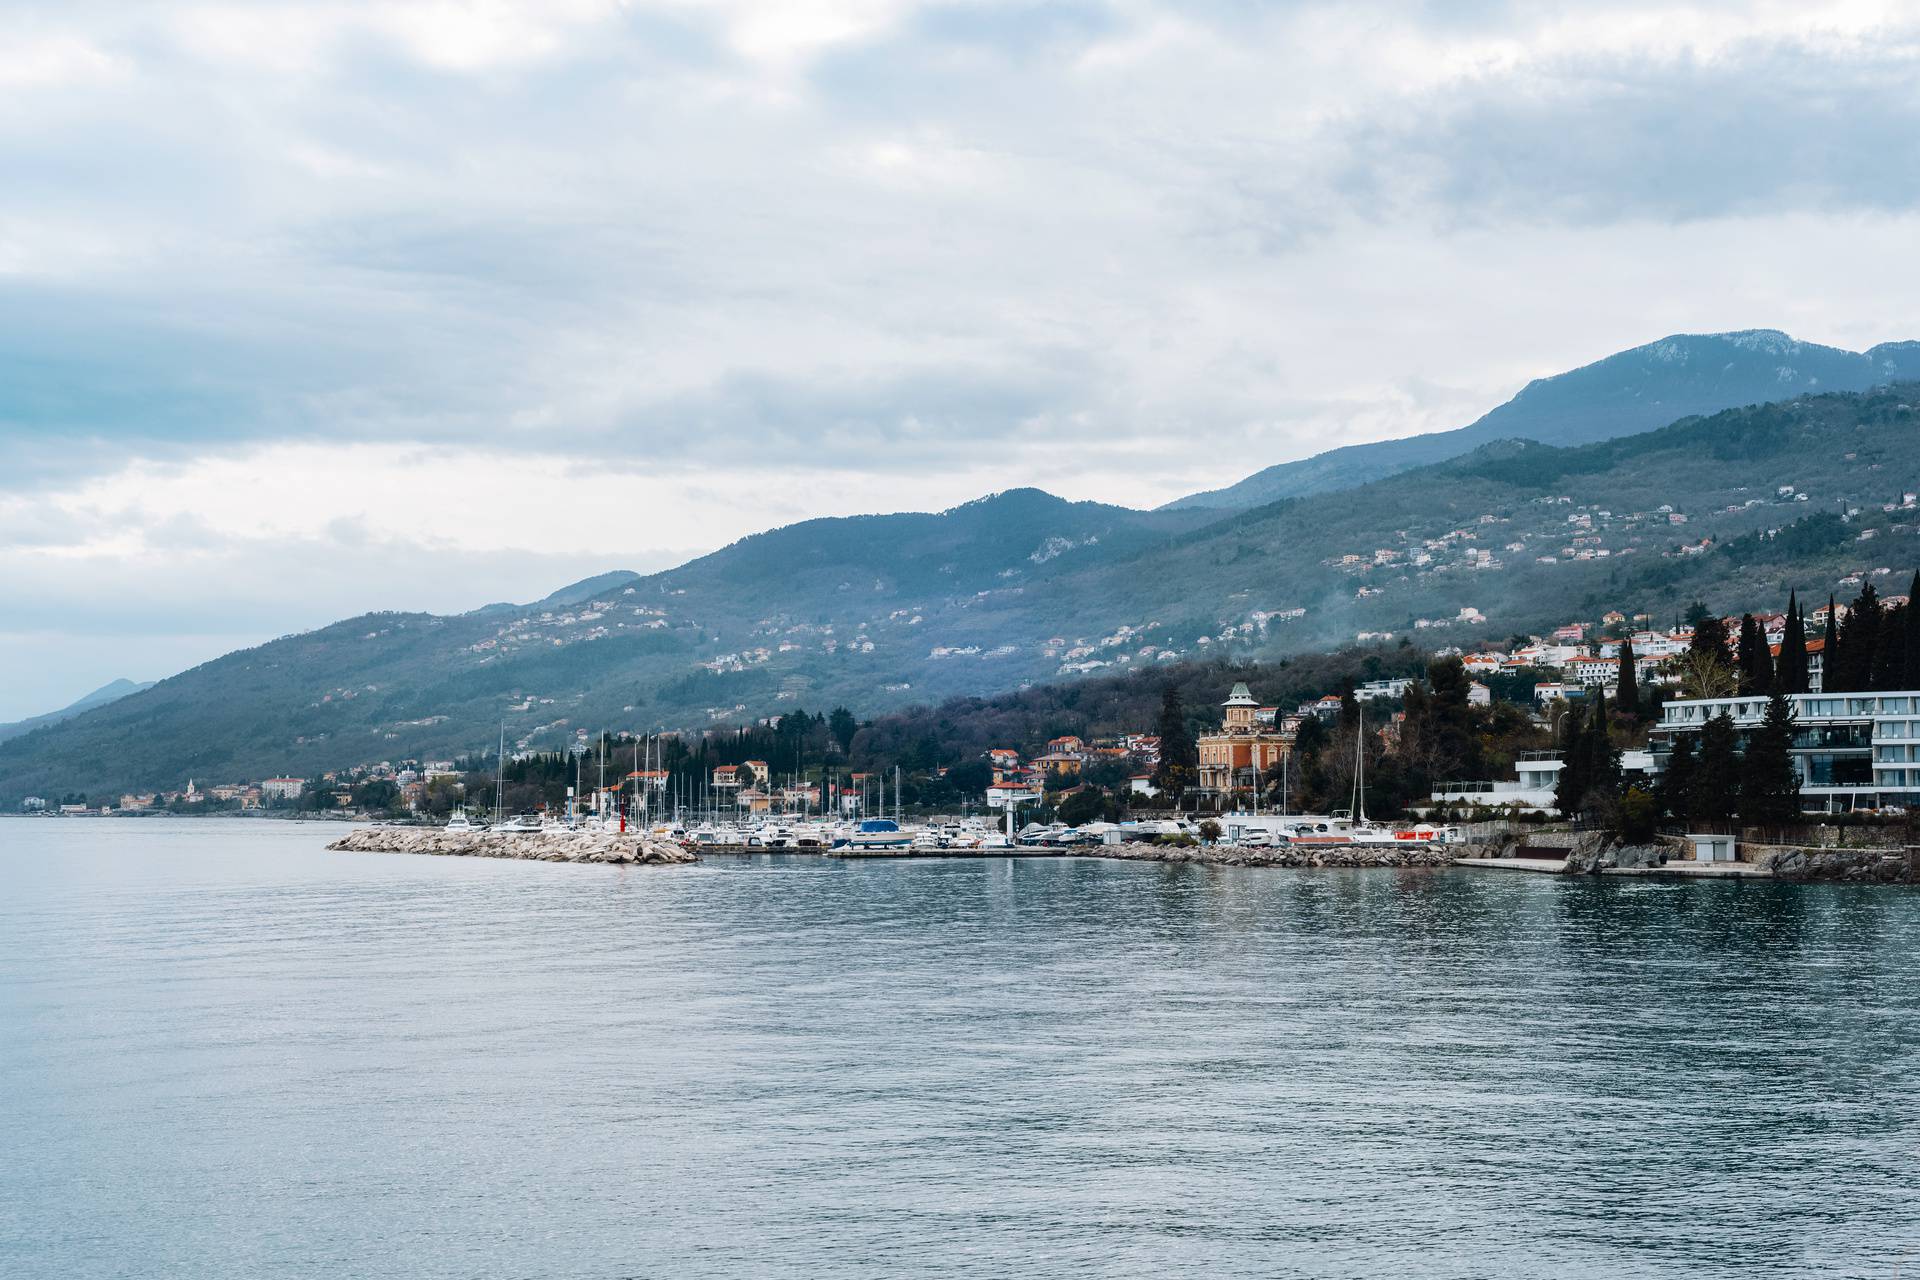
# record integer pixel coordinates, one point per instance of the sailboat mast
(1360, 766)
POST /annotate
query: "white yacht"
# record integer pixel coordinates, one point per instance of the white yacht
(879, 833)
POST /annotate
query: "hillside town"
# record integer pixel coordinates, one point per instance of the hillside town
(1246, 755)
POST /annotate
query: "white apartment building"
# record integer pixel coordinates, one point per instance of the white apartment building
(1851, 750)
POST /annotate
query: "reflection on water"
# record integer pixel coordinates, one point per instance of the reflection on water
(226, 1052)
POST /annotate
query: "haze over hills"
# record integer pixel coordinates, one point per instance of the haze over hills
(112, 690)
(1633, 391)
(876, 612)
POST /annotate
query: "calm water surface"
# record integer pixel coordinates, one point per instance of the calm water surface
(226, 1052)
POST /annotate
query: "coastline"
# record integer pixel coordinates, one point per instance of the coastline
(1589, 857)
(579, 846)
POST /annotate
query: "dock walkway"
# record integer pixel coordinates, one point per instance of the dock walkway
(1547, 866)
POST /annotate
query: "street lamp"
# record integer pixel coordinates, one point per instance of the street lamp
(576, 749)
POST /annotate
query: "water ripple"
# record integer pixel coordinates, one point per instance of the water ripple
(229, 1053)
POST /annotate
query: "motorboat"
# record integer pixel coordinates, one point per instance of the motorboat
(879, 833)
(460, 822)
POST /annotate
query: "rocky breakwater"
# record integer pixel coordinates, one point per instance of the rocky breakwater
(573, 846)
(1877, 866)
(1231, 855)
(1596, 851)
(1581, 852)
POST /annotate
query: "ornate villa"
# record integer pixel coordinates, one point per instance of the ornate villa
(1247, 748)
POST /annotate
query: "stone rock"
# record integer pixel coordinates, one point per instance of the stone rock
(576, 846)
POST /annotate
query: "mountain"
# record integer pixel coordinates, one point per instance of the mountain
(98, 698)
(1677, 377)
(883, 612)
(822, 611)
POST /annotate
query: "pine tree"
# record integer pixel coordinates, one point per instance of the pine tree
(1676, 781)
(1439, 728)
(1769, 785)
(1710, 638)
(1791, 675)
(1716, 780)
(1626, 686)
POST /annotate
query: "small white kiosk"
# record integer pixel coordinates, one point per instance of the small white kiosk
(1712, 848)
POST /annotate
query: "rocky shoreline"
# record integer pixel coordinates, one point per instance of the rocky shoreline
(1596, 853)
(1228, 855)
(1588, 853)
(1873, 866)
(578, 846)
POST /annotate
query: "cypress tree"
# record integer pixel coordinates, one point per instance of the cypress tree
(1603, 758)
(1676, 782)
(1756, 664)
(1570, 787)
(1178, 755)
(1769, 786)
(1859, 641)
(1716, 781)
(1791, 675)
(1830, 652)
(1910, 673)
(1890, 658)
(1626, 686)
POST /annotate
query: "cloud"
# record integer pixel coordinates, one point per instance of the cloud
(855, 223)
(282, 284)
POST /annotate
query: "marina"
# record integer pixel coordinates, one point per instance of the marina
(938, 836)
(1249, 841)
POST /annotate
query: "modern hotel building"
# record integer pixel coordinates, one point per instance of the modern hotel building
(1852, 750)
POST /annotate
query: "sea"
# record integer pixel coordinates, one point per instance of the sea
(228, 1052)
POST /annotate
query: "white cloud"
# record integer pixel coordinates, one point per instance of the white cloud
(53, 62)
(287, 282)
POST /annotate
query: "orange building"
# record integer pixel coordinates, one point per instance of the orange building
(1245, 751)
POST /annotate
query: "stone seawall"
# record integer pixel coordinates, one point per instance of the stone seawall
(578, 846)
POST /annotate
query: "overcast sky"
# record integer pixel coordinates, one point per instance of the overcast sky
(310, 309)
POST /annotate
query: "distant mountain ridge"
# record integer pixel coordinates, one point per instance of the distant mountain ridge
(879, 612)
(1680, 376)
(109, 692)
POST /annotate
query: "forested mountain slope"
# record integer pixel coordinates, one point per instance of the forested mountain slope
(891, 611)
(1626, 393)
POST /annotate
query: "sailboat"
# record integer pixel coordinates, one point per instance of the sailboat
(1352, 826)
